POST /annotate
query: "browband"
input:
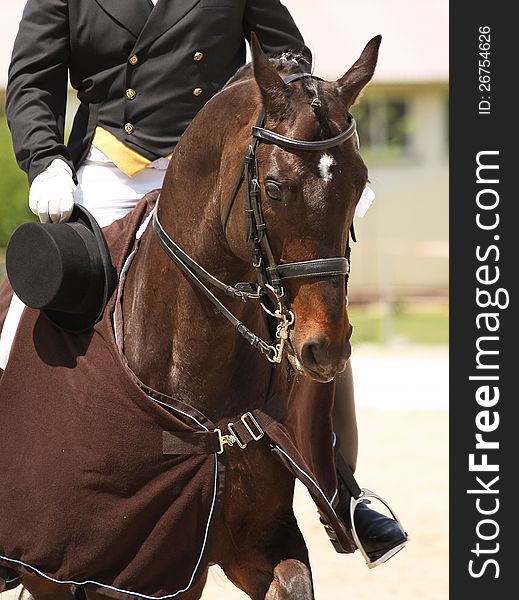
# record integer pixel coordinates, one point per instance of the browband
(293, 144)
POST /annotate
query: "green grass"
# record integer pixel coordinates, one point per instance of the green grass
(410, 324)
(14, 208)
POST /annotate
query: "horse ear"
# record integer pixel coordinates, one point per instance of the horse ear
(357, 77)
(274, 91)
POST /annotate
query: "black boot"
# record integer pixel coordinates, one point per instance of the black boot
(9, 579)
(378, 537)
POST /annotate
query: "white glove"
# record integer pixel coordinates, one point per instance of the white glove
(368, 195)
(51, 196)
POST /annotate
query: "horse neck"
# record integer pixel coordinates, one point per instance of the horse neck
(175, 340)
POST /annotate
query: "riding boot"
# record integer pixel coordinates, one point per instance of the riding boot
(377, 536)
(9, 579)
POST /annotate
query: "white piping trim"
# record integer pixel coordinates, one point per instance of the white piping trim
(125, 267)
(308, 477)
(206, 534)
(178, 410)
(334, 443)
(209, 518)
(144, 224)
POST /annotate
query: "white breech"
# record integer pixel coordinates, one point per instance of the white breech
(108, 194)
(12, 319)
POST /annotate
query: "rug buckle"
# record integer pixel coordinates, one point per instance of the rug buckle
(234, 434)
(258, 433)
(224, 439)
(251, 425)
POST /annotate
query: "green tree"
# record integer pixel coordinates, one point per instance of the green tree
(14, 208)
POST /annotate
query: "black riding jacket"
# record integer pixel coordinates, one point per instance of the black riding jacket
(142, 73)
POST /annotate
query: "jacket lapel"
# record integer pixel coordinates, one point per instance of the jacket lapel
(131, 14)
(165, 14)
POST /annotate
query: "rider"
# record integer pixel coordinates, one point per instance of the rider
(141, 72)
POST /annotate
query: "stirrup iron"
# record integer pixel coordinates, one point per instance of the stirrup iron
(354, 502)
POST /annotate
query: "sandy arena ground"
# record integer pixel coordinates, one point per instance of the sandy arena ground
(403, 425)
(406, 462)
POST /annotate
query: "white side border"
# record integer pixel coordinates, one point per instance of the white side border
(329, 502)
(136, 594)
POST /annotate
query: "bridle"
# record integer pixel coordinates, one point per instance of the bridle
(269, 274)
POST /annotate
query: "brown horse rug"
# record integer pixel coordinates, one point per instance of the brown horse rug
(109, 484)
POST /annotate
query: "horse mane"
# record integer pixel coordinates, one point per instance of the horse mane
(285, 63)
(291, 62)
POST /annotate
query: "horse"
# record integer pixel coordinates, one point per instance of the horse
(282, 220)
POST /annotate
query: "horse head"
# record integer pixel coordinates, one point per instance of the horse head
(308, 199)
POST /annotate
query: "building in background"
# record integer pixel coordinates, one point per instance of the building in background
(403, 126)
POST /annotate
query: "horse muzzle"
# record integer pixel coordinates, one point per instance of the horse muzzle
(318, 359)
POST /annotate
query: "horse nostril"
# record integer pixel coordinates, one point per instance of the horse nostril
(314, 353)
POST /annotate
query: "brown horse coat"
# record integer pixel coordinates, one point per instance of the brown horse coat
(89, 491)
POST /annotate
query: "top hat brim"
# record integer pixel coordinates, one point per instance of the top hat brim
(63, 269)
(83, 321)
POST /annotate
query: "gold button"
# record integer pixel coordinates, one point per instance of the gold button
(197, 91)
(129, 128)
(134, 59)
(198, 56)
(131, 94)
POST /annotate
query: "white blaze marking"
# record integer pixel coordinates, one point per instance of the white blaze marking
(325, 167)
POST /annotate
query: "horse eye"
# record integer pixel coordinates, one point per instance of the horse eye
(273, 190)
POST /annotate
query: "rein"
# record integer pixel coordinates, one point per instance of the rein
(269, 274)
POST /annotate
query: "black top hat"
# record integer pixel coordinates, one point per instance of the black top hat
(64, 269)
